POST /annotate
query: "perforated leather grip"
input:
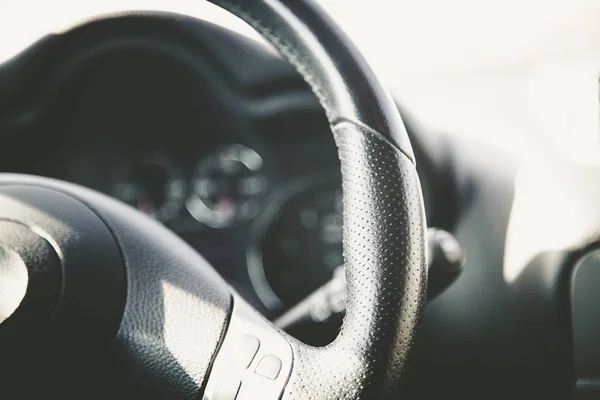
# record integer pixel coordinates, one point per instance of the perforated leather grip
(385, 267)
(384, 220)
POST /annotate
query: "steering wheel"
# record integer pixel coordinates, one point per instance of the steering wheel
(97, 298)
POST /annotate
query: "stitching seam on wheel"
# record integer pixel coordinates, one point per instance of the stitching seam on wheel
(285, 50)
(340, 122)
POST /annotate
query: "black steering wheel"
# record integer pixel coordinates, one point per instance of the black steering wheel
(96, 297)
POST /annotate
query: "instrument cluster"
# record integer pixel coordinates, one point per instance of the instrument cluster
(236, 210)
(227, 187)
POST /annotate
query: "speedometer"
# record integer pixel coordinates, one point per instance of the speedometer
(228, 187)
(302, 246)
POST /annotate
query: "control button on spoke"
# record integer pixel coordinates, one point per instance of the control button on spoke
(227, 389)
(269, 367)
(248, 348)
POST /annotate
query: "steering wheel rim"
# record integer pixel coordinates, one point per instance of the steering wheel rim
(384, 248)
(384, 221)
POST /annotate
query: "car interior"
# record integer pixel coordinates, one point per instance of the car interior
(189, 213)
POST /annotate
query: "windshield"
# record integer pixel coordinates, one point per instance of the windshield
(493, 70)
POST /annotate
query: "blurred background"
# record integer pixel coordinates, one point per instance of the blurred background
(497, 71)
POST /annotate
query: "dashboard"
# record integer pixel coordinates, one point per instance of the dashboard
(222, 142)
(223, 179)
(243, 168)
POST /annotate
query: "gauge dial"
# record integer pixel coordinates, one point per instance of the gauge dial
(153, 185)
(228, 187)
(303, 246)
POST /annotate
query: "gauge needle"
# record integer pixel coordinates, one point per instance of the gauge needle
(226, 206)
(145, 205)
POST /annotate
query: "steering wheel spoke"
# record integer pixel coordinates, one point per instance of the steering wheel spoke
(254, 361)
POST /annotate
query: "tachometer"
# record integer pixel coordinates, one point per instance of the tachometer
(228, 187)
(153, 184)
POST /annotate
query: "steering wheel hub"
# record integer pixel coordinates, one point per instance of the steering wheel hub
(30, 275)
(13, 282)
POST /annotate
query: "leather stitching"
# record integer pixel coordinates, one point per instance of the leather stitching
(342, 121)
(285, 49)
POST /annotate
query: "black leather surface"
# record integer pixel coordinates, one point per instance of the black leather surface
(176, 310)
(384, 220)
(176, 307)
(93, 289)
(72, 310)
(328, 61)
(385, 264)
